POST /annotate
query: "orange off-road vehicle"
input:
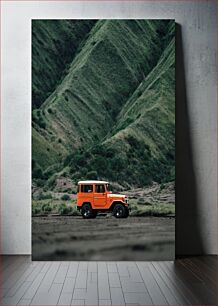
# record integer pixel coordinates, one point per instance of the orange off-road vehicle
(94, 197)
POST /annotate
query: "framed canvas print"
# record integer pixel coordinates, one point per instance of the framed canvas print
(103, 139)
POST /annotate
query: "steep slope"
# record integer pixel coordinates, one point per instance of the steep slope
(146, 126)
(54, 45)
(141, 146)
(116, 57)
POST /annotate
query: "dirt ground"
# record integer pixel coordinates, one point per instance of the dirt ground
(103, 238)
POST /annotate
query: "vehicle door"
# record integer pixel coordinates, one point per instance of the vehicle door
(86, 193)
(100, 196)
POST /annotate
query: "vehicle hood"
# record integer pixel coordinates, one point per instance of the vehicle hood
(114, 195)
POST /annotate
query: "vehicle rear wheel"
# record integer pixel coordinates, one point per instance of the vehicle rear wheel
(119, 211)
(87, 211)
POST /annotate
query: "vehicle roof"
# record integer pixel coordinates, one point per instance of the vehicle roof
(93, 182)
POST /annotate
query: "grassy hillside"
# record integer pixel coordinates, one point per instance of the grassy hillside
(112, 115)
(140, 148)
(54, 44)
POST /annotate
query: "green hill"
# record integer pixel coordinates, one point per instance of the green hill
(54, 44)
(112, 116)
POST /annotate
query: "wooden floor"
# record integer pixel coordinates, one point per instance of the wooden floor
(188, 281)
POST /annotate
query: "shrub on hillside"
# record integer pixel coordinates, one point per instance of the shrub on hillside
(51, 181)
(83, 171)
(100, 164)
(141, 201)
(39, 182)
(46, 208)
(65, 197)
(44, 196)
(41, 123)
(92, 175)
(35, 210)
(36, 170)
(63, 209)
(37, 173)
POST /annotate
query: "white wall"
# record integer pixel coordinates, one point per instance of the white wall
(198, 25)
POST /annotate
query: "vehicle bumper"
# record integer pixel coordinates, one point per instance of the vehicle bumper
(128, 207)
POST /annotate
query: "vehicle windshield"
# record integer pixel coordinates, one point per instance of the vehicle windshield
(109, 188)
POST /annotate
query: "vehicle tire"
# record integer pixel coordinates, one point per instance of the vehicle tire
(127, 213)
(94, 214)
(87, 211)
(119, 211)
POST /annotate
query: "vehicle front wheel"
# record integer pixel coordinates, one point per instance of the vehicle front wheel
(127, 213)
(119, 211)
(87, 211)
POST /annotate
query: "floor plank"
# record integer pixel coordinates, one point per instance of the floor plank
(48, 298)
(181, 283)
(17, 296)
(203, 270)
(117, 297)
(187, 281)
(12, 274)
(155, 292)
(169, 293)
(65, 299)
(49, 277)
(178, 290)
(103, 282)
(196, 286)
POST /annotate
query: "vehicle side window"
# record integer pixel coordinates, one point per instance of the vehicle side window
(99, 188)
(86, 188)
